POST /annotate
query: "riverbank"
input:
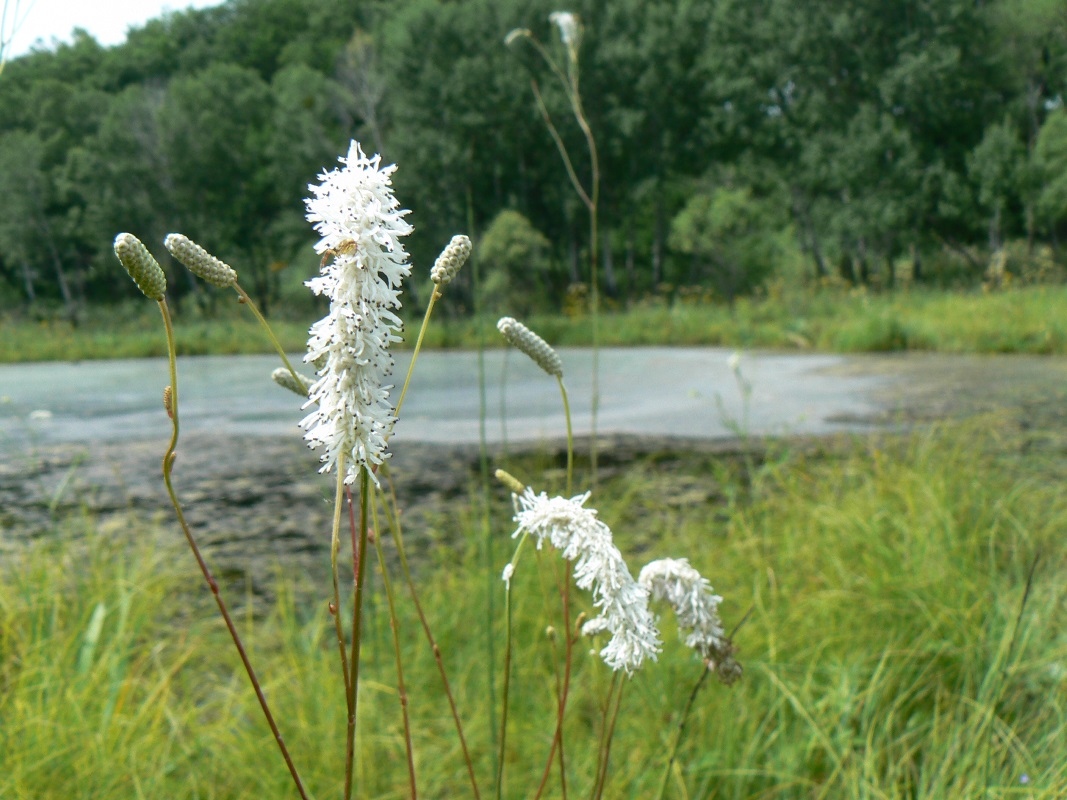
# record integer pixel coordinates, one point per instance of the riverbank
(885, 583)
(1024, 320)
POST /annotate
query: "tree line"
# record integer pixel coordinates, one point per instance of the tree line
(857, 140)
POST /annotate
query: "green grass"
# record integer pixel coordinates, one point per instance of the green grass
(883, 657)
(1024, 320)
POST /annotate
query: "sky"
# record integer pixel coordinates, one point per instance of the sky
(106, 20)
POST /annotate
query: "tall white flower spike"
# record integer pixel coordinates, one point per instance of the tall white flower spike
(364, 263)
(599, 567)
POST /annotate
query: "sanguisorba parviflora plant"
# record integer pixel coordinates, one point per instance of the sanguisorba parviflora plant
(350, 419)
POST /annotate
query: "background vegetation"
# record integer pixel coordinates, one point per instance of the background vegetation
(895, 648)
(858, 141)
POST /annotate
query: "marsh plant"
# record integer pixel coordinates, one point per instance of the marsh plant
(351, 416)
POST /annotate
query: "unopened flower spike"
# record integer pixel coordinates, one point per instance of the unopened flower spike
(510, 481)
(570, 29)
(168, 401)
(360, 222)
(451, 259)
(599, 567)
(697, 609)
(300, 385)
(517, 33)
(200, 262)
(518, 335)
(143, 268)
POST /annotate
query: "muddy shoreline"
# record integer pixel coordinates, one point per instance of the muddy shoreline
(257, 504)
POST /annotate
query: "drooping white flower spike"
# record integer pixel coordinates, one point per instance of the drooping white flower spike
(599, 567)
(697, 608)
(364, 263)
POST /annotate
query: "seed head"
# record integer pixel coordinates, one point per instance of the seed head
(451, 259)
(168, 401)
(200, 262)
(285, 379)
(143, 268)
(531, 344)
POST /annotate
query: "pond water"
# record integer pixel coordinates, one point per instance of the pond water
(658, 391)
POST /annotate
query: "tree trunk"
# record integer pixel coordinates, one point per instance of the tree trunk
(572, 261)
(630, 276)
(27, 281)
(806, 230)
(657, 244)
(611, 284)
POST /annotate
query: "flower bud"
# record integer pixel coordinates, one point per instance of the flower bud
(570, 29)
(285, 379)
(510, 481)
(200, 262)
(451, 259)
(143, 268)
(531, 344)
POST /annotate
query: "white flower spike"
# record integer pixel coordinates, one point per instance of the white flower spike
(599, 567)
(697, 609)
(570, 28)
(364, 263)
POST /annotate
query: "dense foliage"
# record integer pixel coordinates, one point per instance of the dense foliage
(858, 139)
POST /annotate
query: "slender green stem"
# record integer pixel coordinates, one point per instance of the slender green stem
(681, 730)
(418, 346)
(335, 549)
(570, 437)
(483, 470)
(604, 722)
(602, 778)
(398, 538)
(557, 740)
(594, 243)
(247, 301)
(591, 199)
(560, 146)
(168, 465)
(394, 624)
(357, 630)
(508, 647)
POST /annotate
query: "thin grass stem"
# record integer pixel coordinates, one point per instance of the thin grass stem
(1003, 674)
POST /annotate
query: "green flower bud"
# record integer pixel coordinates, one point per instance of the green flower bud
(143, 268)
(284, 378)
(531, 344)
(451, 259)
(200, 262)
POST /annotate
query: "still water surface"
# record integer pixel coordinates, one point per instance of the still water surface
(663, 391)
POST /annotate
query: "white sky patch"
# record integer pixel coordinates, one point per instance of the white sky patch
(106, 20)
